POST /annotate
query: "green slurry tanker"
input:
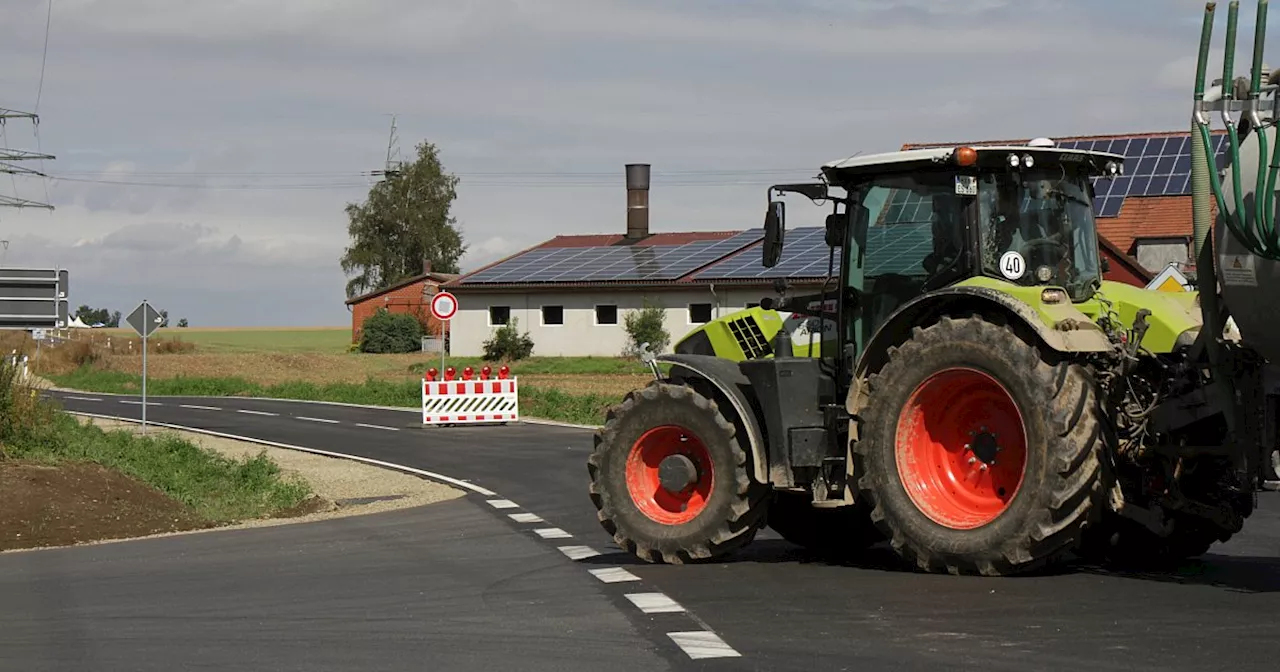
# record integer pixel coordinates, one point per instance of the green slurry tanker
(984, 400)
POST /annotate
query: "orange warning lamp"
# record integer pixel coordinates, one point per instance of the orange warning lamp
(504, 372)
(450, 373)
(432, 373)
(485, 372)
(467, 373)
(966, 156)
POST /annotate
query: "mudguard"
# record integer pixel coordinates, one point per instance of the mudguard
(734, 386)
(1071, 331)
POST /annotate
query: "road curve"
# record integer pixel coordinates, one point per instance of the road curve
(782, 609)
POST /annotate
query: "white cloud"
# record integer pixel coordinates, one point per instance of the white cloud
(219, 99)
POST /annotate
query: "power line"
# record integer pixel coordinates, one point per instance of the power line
(44, 57)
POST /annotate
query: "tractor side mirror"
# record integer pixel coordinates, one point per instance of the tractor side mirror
(836, 225)
(774, 229)
(1105, 264)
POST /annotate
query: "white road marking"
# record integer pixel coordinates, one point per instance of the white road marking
(503, 504)
(525, 518)
(613, 575)
(700, 644)
(654, 603)
(553, 533)
(198, 407)
(390, 429)
(578, 552)
(83, 398)
(355, 458)
(139, 403)
(303, 417)
(249, 412)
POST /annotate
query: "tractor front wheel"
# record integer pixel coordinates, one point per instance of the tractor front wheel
(978, 455)
(670, 481)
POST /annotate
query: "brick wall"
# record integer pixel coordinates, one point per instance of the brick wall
(407, 299)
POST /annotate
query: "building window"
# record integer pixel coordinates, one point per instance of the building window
(606, 314)
(699, 313)
(552, 315)
(499, 315)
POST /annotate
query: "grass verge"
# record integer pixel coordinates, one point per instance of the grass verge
(537, 402)
(199, 486)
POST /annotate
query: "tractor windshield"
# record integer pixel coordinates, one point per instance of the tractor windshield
(1038, 228)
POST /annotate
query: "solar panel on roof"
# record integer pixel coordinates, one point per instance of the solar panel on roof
(1153, 167)
(804, 250)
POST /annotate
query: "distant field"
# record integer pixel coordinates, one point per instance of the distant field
(253, 339)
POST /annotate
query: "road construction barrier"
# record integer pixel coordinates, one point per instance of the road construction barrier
(470, 400)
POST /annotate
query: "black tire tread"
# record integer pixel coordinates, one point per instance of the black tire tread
(1074, 495)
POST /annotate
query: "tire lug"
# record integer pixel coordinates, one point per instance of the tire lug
(972, 459)
(982, 468)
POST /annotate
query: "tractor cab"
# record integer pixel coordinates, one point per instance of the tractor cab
(917, 221)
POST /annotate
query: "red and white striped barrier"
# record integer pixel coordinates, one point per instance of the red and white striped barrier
(458, 402)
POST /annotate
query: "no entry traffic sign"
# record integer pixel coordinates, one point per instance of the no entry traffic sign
(444, 306)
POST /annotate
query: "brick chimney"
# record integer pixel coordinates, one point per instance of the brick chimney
(426, 265)
(637, 201)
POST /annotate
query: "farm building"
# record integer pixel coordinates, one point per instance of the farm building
(571, 293)
(1144, 216)
(412, 295)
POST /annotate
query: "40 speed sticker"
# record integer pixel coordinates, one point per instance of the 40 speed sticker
(1012, 265)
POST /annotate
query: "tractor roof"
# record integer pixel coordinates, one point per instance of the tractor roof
(987, 155)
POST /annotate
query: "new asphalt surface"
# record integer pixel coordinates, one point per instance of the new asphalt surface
(778, 607)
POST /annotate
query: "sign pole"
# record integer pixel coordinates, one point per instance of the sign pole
(443, 307)
(144, 383)
(144, 319)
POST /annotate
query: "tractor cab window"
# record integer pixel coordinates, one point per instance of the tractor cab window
(1038, 229)
(914, 241)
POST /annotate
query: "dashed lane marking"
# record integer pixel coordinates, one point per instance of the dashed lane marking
(198, 407)
(390, 429)
(503, 504)
(613, 575)
(139, 403)
(654, 603)
(700, 644)
(525, 518)
(578, 552)
(83, 398)
(249, 412)
(553, 533)
(326, 420)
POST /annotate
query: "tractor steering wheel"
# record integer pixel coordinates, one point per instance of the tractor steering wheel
(1044, 242)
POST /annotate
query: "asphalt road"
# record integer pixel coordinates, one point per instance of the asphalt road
(781, 609)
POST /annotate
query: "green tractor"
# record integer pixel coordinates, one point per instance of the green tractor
(983, 399)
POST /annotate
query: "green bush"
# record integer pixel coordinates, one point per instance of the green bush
(647, 325)
(508, 344)
(385, 332)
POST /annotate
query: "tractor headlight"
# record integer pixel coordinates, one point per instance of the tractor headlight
(1028, 161)
(1044, 274)
(1053, 295)
(1013, 160)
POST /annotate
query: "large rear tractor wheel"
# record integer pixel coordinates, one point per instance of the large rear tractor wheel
(838, 532)
(669, 479)
(980, 456)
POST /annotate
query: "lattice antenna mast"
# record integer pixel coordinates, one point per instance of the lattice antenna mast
(8, 156)
(393, 163)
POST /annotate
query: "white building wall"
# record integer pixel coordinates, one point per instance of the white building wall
(580, 335)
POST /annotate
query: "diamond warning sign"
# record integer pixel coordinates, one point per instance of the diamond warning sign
(1237, 270)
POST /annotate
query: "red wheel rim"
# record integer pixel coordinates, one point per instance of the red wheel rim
(961, 448)
(645, 485)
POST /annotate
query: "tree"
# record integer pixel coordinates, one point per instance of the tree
(647, 325)
(182, 322)
(98, 316)
(404, 221)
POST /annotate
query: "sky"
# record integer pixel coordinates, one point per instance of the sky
(205, 150)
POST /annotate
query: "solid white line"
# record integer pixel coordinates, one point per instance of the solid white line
(390, 429)
(502, 504)
(302, 417)
(654, 603)
(553, 533)
(249, 412)
(578, 552)
(700, 644)
(84, 398)
(613, 575)
(525, 518)
(199, 407)
(390, 465)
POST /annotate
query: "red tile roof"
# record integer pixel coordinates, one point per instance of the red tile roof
(1148, 217)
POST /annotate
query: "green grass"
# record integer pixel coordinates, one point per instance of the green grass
(219, 489)
(544, 403)
(543, 365)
